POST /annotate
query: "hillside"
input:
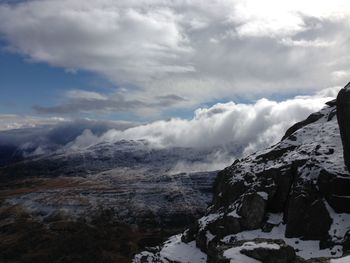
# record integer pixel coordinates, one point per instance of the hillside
(288, 203)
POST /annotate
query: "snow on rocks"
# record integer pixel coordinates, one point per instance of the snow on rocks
(294, 195)
(173, 250)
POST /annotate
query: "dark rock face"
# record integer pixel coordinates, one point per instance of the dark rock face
(343, 115)
(307, 217)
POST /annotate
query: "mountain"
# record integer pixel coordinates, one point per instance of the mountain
(288, 203)
(103, 201)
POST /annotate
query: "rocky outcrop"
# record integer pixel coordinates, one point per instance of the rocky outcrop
(294, 196)
(343, 115)
(263, 250)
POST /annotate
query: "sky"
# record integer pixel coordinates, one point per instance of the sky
(141, 61)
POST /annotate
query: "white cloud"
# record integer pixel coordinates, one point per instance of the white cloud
(247, 126)
(86, 95)
(199, 50)
(218, 134)
(13, 121)
(81, 101)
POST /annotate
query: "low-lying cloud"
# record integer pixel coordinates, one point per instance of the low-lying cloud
(216, 135)
(249, 127)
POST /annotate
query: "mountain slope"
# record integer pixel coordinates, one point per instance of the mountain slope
(288, 203)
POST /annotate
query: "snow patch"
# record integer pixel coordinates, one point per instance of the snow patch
(234, 254)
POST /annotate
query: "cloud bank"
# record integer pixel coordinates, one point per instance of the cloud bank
(213, 138)
(80, 101)
(199, 51)
(248, 127)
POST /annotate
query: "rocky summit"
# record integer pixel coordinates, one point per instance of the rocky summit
(288, 203)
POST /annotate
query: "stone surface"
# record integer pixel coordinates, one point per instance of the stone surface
(285, 254)
(252, 211)
(343, 116)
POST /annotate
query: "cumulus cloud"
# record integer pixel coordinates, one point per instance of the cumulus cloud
(248, 127)
(198, 50)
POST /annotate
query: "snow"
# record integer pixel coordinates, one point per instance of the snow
(175, 250)
(205, 220)
(312, 143)
(234, 214)
(304, 248)
(275, 218)
(264, 195)
(340, 224)
(235, 256)
(341, 260)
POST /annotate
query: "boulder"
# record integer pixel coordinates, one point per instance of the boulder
(252, 211)
(263, 250)
(285, 254)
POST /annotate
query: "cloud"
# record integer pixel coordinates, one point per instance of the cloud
(214, 137)
(13, 121)
(80, 101)
(85, 95)
(32, 135)
(248, 127)
(198, 50)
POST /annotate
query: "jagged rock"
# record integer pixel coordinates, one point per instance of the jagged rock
(226, 193)
(343, 116)
(332, 103)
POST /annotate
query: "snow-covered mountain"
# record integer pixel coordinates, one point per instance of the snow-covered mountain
(288, 203)
(155, 191)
